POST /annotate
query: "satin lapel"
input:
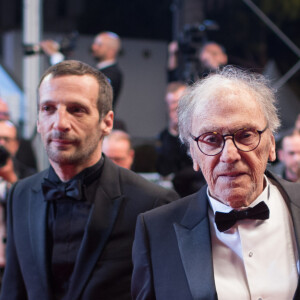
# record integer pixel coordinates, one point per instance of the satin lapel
(100, 224)
(38, 233)
(193, 236)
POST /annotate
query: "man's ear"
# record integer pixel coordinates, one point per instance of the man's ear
(196, 166)
(107, 123)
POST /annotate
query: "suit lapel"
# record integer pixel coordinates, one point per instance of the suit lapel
(193, 237)
(290, 192)
(100, 224)
(38, 232)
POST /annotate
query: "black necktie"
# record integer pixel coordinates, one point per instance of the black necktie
(224, 221)
(56, 191)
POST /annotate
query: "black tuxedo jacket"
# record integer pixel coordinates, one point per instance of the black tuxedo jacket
(172, 252)
(103, 267)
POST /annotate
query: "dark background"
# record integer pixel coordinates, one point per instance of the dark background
(249, 42)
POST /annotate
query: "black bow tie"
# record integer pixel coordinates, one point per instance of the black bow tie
(56, 191)
(224, 221)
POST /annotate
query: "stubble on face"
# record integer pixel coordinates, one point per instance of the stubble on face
(83, 149)
(69, 120)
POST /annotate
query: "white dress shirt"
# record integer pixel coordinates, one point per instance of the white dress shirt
(256, 259)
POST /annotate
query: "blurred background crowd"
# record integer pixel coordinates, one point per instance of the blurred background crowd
(150, 51)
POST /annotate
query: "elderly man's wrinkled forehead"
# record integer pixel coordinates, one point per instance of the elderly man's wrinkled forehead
(216, 93)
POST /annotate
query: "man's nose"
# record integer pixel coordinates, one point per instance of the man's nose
(61, 121)
(230, 152)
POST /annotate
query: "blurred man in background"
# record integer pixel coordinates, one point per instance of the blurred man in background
(208, 58)
(288, 166)
(117, 146)
(105, 49)
(172, 157)
(25, 153)
(11, 169)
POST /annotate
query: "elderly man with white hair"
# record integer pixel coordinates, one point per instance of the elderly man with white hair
(238, 237)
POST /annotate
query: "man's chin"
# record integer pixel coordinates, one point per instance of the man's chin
(61, 157)
(235, 197)
(237, 203)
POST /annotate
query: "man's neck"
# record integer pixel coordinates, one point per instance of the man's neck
(65, 172)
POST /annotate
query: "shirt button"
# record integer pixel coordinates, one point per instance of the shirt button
(250, 255)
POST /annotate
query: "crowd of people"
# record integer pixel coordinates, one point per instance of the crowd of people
(90, 227)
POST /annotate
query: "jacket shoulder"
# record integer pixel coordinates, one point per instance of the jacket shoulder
(136, 183)
(31, 182)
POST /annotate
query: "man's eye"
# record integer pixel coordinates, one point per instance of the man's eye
(47, 108)
(76, 110)
(246, 136)
(211, 139)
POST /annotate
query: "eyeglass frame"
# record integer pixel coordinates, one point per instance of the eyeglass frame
(260, 132)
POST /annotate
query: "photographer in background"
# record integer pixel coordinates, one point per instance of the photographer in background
(199, 62)
(25, 154)
(11, 170)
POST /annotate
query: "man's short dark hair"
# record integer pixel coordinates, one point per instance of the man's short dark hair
(78, 68)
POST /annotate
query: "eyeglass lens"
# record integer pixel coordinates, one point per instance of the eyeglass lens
(212, 143)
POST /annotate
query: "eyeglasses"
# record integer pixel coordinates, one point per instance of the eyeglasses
(245, 139)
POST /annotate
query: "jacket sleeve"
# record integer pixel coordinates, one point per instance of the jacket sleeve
(13, 287)
(142, 279)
